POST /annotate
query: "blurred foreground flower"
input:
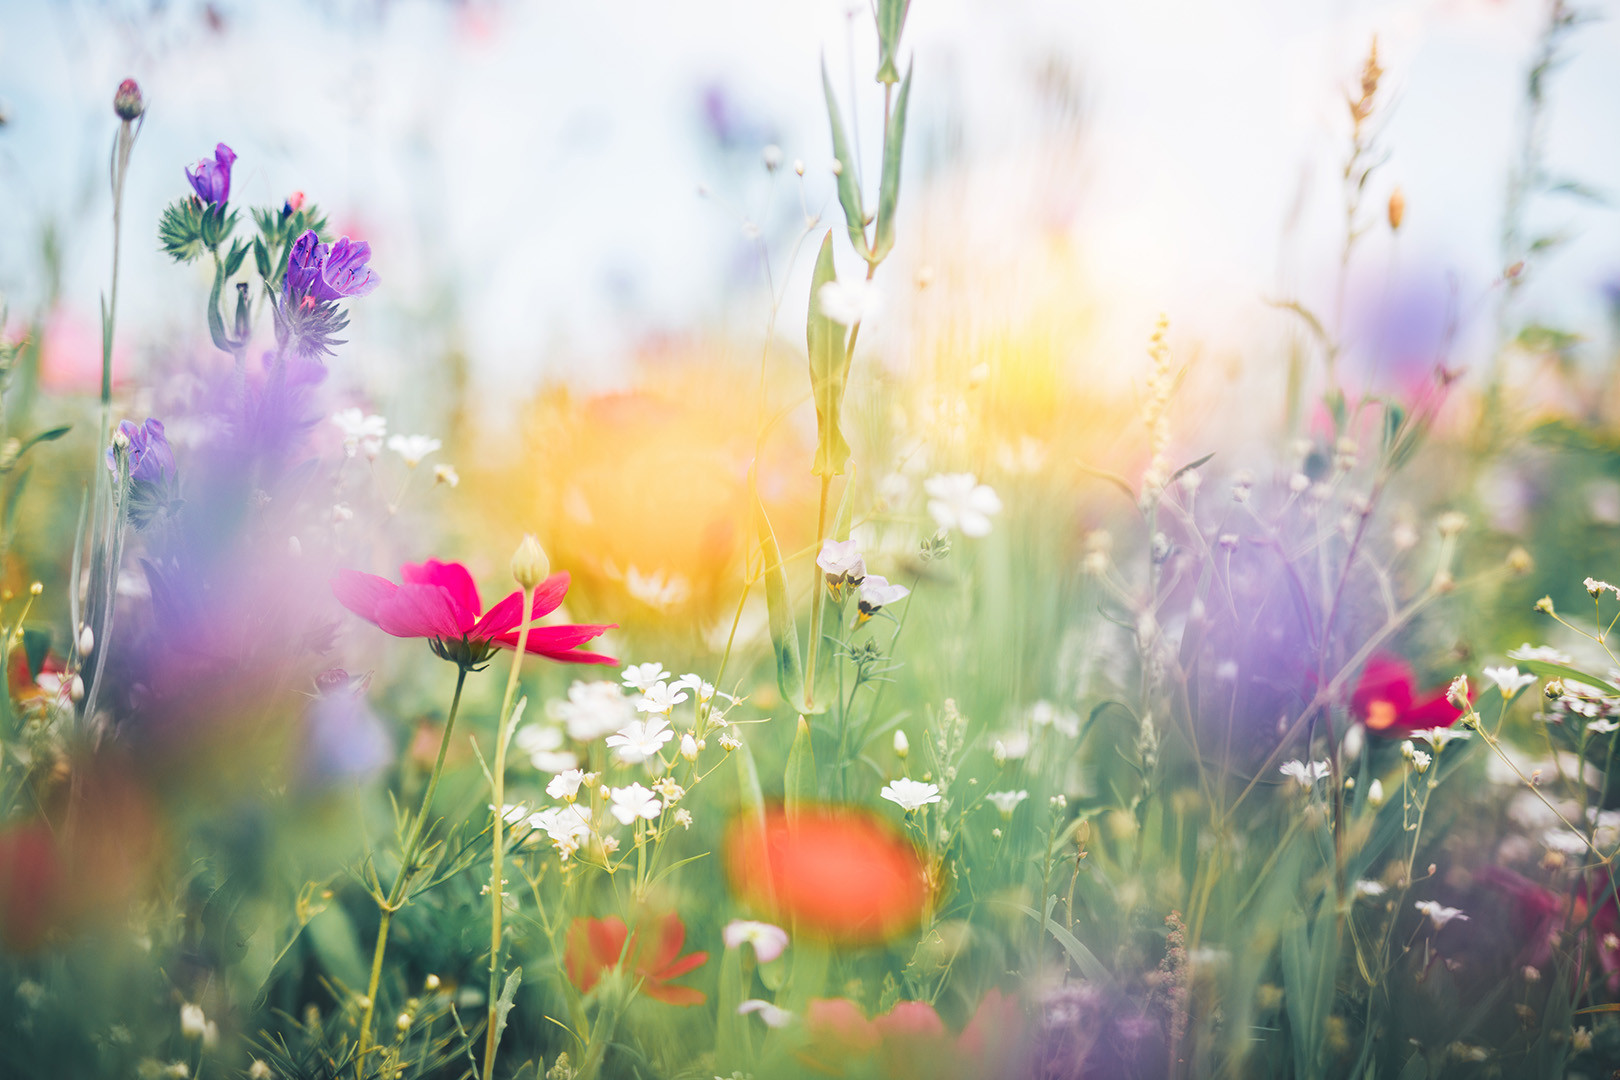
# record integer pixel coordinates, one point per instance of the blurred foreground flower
(1386, 700)
(910, 1040)
(596, 946)
(439, 601)
(837, 874)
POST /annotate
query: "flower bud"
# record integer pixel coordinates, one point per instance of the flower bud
(773, 157)
(76, 690)
(1457, 692)
(529, 564)
(87, 641)
(431, 983)
(36, 589)
(1545, 605)
(1397, 209)
(689, 747)
(902, 746)
(127, 102)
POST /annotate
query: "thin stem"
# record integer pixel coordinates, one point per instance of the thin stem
(396, 895)
(816, 601)
(491, 1032)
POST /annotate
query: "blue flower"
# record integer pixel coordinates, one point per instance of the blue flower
(151, 460)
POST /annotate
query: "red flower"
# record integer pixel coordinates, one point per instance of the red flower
(910, 1040)
(1386, 700)
(596, 946)
(842, 875)
(439, 601)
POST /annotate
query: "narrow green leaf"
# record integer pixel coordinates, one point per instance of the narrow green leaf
(50, 435)
(832, 612)
(889, 190)
(779, 604)
(261, 257)
(829, 369)
(849, 188)
(733, 1045)
(1549, 670)
(1091, 967)
(891, 20)
(750, 797)
(503, 1006)
(233, 261)
(799, 787)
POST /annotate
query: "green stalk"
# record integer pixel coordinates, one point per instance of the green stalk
(491, 1033)
(396, 896)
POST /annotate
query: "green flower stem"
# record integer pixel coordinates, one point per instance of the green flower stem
(491, 1033)
(396, 896)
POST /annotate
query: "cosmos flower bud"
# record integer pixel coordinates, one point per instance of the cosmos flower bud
(529, 564)
(127, 102)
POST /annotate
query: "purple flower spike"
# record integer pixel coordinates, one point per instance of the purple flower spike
(325, 272)
(345, 272)
(150, 458)
(211, 180)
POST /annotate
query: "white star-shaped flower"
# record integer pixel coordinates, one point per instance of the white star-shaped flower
(629, 803)
(641, 739)
(910, 795)
(959, 501)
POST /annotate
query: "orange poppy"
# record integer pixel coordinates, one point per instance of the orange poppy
(838, 874)
(596, 946)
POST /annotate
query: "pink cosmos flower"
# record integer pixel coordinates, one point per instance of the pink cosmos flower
(439, 601)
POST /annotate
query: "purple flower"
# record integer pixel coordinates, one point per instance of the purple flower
(150, 458)
(327, 272)
(211, 180)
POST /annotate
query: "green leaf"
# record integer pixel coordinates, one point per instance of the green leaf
(750, 797)
(50, 435)
(233, 261)
(1558, 671)
(180, 229)
(261, 257)
(332, 935)
(779, 604)
(829, 369)
(849, 188)
(503, 1005)
(1087, 961)
(889, 189)
(733, 1044)
(891, 20)
(799, 787)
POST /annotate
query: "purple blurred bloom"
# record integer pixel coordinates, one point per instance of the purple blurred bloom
(343, 739)
(150, 458)
(211, 180)
(327, 272)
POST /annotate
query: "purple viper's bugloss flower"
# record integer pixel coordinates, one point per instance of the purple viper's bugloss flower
(211, 180)
(151, 460)
(328, 272)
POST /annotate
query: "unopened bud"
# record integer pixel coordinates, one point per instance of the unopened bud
(1545, 605)
(902, 745)
(76, 690)
(87, 641)
(36, 589)
(689, 747)
(837, 167)
(1397, 209)
(529, 563)
(1519, 561)
(127, 102)
(431, 983)
(1457, 692)
(403, 1022)
(798, 167)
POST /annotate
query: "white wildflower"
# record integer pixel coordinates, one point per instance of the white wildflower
(1545, 654)
(909, 794)
(774, 1016)
(413, 448)
(876, 591)
(1007, 801)
(959, 501)
(841, 561)
(594, 709)
(768, 941)
(1508, 680)
(1305, 775)
(1438, 913)
(849, 300)
(362, 432)
(641, 739)
(644, 676)
(629, 803)
(565, 785)
(1371, 888)
(660, 698)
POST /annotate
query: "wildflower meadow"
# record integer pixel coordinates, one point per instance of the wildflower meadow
(883, 677)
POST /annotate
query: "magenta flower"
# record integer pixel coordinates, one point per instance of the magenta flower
(211, 180)
(327, 272)
(439, 601)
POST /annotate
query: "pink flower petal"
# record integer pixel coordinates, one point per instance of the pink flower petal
(362, 593)
(503, 617)
(422, 611)
(451, 577)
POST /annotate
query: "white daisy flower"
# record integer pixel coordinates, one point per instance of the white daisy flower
(910, 795)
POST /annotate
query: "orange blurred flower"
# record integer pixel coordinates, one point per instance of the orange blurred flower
(839, 874)
(596, 946)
